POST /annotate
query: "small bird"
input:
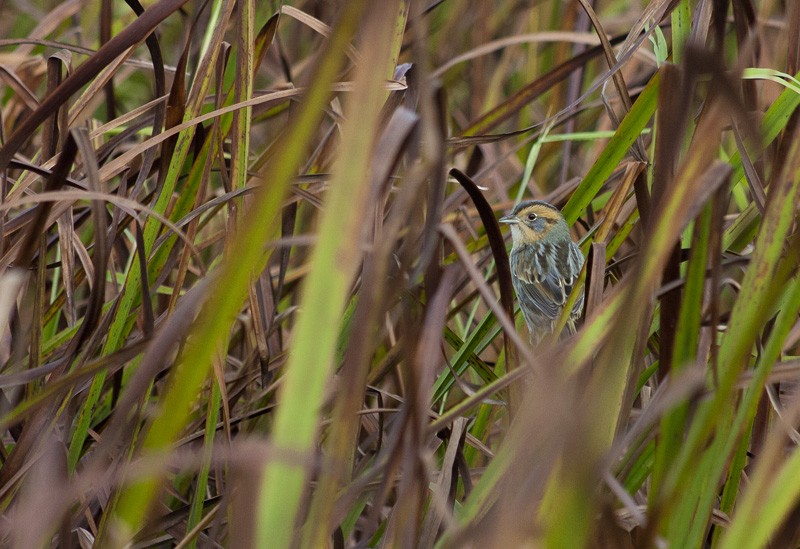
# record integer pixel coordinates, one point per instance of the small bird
(545, 263)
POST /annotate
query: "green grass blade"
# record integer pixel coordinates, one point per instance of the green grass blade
(612, 154)
(333, 265)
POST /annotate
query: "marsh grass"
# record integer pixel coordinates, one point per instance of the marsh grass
(253, 293)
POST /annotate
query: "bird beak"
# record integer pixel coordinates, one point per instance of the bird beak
(509, 220)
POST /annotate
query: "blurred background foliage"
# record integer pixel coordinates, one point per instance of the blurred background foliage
(253, 293)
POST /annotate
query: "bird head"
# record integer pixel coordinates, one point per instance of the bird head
(535, 222)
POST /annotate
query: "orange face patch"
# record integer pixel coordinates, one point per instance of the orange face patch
(540, 210)
(536, 221)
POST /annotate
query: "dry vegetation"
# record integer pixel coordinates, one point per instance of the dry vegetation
(253, 293)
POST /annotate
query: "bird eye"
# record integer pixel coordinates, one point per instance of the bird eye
(531, 216)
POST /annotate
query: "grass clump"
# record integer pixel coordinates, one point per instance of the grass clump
(253, 293)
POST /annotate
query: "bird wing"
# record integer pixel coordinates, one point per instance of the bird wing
(538, 283)
(575, 262)
(542, 284)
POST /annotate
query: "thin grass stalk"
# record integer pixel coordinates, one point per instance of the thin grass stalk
(198, 501)
(673, 424)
